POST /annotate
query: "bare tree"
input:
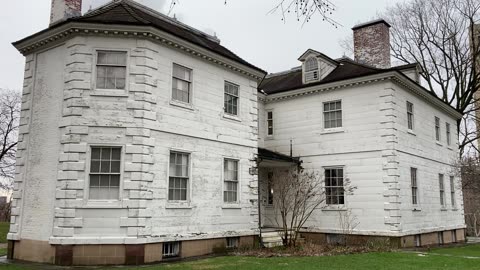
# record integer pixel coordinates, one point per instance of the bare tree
(302, 10)
(468, 168)
(348, 222)
(10, 102)
(437, 35)
(298, 194)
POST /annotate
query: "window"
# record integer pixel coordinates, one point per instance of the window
(270, 123)
(231, 98)
(452, 191)
(232, 242)
(440, 238)
(442, 190)
(311, 69)
(179, 175)
(418, 240)
(181, 83)
(230, 175)
(410, 115)
(270, 189)
(454, 236)
(447, 127)
(105, 173)
(111, 70)
(413, 179)
(171, 249)
(335, 192)
(437, 128)
(332, 114)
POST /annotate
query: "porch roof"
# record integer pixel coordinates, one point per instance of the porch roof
(265, 154)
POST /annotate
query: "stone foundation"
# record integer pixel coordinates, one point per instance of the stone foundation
(426, 239)
(88, 255)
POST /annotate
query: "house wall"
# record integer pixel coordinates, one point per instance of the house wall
(357, 146)
(147, 125)
(419, 149)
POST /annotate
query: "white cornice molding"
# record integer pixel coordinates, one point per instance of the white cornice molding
(394, 76)
(68, 30)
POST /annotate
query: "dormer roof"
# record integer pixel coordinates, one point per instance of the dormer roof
(311, 52)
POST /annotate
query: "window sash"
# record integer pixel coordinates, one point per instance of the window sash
(414, 184)
(452, 191)
(269, 123)
(230, 175)
(181, 83)
(171, 249)
(231, 98)
(332, 114)
(178, 189)
(447, 127)
(442, 189)
(437, 128)
(179, 176)
(111, 70)
(410, 115)
(334, 186)
(104, 175)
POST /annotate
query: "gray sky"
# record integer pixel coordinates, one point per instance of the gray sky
(242, 25)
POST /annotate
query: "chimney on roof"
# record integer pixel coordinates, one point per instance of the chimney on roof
(64, 9)
(372, 43)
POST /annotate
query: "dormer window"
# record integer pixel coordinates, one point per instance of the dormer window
(311, 70)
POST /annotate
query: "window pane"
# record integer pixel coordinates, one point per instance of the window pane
(95, 166)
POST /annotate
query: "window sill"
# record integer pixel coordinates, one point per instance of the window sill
(335, 208)
(411, 132)
(416, 209)
(179, 205)
(443, 209)
(183, 105)
(454, 209)
(232, 206)
(438, 143)
(269, 138)
(231, 117)
(332, 130)
(103, 205)
(449, 148)
(109, 93)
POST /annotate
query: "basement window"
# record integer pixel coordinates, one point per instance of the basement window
(440, 238)
(454, 236)
(171, 249)
(417, 240)
(232, 242)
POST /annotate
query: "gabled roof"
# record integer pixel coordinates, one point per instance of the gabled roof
(318, 54)
(127, 12)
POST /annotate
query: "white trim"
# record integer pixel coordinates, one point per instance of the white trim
(110, 92)
(270, 136)
(87, 203)
(191, 104)
(177, 204)
(229, 115)
(335, 129)
(237, 204)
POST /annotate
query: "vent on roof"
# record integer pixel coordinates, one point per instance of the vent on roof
(311, 76)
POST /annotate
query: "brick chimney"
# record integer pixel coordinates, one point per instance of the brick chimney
(64, 9)
(372, 43)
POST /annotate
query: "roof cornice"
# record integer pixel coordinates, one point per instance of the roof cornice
(394, 76)
(68, 30)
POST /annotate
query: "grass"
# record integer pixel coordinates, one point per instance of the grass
(4, 226)
(441, 258)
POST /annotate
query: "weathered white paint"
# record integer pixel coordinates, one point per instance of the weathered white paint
(147, 124)
(376, 152)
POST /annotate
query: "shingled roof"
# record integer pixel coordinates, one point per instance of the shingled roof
(127, 12)
(346, 69)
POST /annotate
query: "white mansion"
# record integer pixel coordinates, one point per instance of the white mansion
(141, 139)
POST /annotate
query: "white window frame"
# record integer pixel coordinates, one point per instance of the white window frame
(224, 99)
(324, 112)
(410, 116)
(337, 186)
(173, 101)
(438, 131)
(453, 199)
(238, 180)
(441, 184)
(174, 249)
(101, 91)
(103, 203)
(314, 72)
(414, 185)
(448, 133)
(272, 123)
(189, 179)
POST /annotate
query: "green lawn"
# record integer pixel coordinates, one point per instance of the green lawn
(447, 258)
(4, 226)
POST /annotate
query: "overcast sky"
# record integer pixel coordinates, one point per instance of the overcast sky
(242, 25)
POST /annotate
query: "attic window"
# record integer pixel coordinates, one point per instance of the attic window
(311, 70)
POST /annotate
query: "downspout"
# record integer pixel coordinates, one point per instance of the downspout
(259, 160)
